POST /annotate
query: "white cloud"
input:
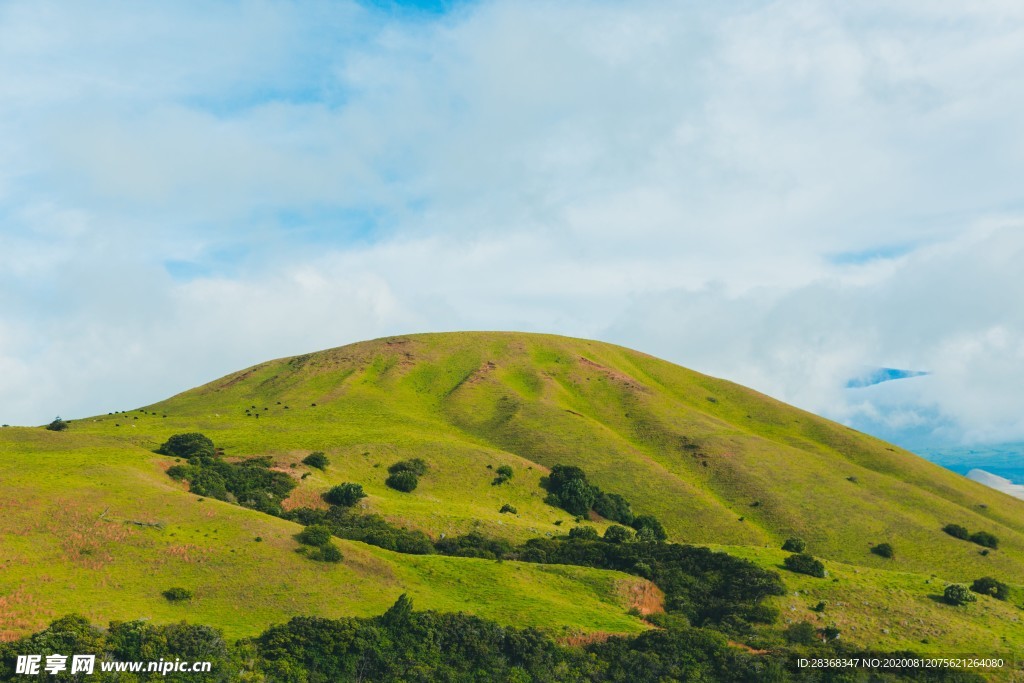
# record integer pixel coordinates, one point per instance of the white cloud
(701, 183)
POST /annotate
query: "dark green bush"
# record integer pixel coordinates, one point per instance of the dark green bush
(316, 459)
(650, 524)
(345, 494)
(794, 545)
(984, 538)
(58, 425)
(986, 585)
(584, 533)
(251, 483)
(372, 529)
(577, 497)
(403, 480)
(957, 531)
(177, 594)
(315, 535)
(188, 446)
(508, 508)
(613, 507)
(958, 594)
(328, 552)
(617, 534)
(883, 550)
(504, 474)
(802, 563)
(474, 544)
(801, 633)
(415, 465)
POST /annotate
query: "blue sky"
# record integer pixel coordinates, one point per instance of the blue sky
(788, 194)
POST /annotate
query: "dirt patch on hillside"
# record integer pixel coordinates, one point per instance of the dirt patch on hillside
(237, 378)
(304, 498)
(481, 373)
(620, 377)
(643, 596)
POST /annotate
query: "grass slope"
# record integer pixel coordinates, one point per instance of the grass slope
(68, 544)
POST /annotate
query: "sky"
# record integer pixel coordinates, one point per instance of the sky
(791, 195)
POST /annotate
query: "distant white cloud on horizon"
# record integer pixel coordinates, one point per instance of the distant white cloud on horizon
(780, 193)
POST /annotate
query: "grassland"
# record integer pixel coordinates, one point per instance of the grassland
(71, 541)
(716, 462)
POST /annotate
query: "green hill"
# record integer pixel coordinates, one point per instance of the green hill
(717, 463)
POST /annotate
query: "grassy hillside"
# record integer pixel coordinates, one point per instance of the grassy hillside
(716, 462)
(70, 542)
(698, 452)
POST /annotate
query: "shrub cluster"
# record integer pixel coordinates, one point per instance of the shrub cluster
(475, 544)
(188, 446)
(505, 473)
(372, 529)
(883, 550)
(982, 538)
(802, 563)
(316, 459)
(957, 531)
(58, 425)
(794, 545)
(318, 537)
(986, 585)
(177, 594)
(251, 483)
(569, 489)
(584, 533)
(345, 495)
(958, 594)
(405, 475)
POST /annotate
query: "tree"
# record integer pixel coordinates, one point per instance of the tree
(328, 552)
(345, 495)
(177, 594)
(802, 563)
(986, 585)
(614, 507)
(883, 550)
(403, 480)
(957, 594)
(58, 425)
(794, 545)
(315, 535)
(984, 538)
(188, 446)
(398, 614)
(617, 534)
(577, 497)
(957, 531)
(316, 459)
(561, 475)
(584, 533)
(650, 525)
(415, 465)
(801, 633)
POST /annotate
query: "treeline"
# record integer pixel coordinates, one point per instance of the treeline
(404, 645)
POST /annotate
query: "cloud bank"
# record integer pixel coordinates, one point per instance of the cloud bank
(779, 193)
